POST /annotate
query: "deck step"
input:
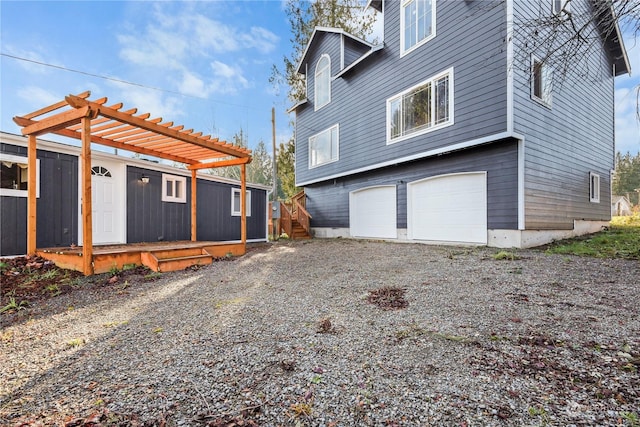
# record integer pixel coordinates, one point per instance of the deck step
(176, 259)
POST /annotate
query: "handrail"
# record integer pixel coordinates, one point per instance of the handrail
(302, 216)
(286, 220)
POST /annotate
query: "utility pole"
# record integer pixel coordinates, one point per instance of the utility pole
(275, 210)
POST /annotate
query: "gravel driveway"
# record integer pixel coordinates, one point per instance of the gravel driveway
(286, 336)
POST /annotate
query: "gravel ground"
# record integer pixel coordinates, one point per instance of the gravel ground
(286, 336)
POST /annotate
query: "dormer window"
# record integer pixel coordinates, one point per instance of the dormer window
(323, 82)
(560, 7)
(418, 23)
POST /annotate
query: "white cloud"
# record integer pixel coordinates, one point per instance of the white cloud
(261, 39)
(192, 85)
(39, 97)
(227, 79)
(151, 101)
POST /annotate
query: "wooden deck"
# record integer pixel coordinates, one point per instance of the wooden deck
(160, 256)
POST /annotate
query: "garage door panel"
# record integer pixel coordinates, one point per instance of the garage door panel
(449, 208)
(372, 212)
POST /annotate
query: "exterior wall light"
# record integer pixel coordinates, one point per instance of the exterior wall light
(144, 179)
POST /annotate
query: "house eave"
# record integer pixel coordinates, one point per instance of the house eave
(300, 68)
(295, 106)
(359, 60)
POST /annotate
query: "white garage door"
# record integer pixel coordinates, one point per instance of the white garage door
(450, 208)
(372, 212)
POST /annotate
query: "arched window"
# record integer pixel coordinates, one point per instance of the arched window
(323, 82)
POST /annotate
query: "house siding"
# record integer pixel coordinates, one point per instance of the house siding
(57, 206)
(149, 219)
(328, 202)
(359, 98)
(567, 141)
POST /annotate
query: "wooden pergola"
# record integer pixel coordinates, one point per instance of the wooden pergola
(94, 122)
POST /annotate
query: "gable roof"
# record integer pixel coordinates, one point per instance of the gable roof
(320, 31)
(613, 39)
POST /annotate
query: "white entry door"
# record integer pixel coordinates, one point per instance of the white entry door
(107, 202)
(451, 208)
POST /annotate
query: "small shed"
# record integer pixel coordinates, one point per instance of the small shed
(620, 206)
(95, 122)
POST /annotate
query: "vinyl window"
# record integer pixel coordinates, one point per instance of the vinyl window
(323, 147)
(174, 188)
(594, 188)
(541, 81)
(235, 202)
(418, 23)
(422, 108)
(14, 176)
(322, 82)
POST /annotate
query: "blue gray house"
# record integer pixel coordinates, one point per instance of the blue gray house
(445, 131)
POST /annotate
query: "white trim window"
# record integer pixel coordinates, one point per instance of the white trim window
(14, 176)
(323, 147)
(594, 187)
(174, 188)
(561, 8)
(422, 108)
(541, 81)
(417, 23)
(235, 202)
(322, 82)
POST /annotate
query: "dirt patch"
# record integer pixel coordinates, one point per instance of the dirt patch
(388, 298)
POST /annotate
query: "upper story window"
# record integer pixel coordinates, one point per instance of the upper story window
(560, 7)
(235, 202)
(174, 188)
(417, 22)
(541, 79)
(14, 176)
(322, 82)
(422, 108)
(323, 147)
(594, 187)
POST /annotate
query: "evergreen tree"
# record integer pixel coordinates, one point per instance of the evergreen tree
(626, 181)
(259, 171)
(286, 173)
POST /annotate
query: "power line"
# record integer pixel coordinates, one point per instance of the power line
(113, 79)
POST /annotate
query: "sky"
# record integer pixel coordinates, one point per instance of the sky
(202, 64)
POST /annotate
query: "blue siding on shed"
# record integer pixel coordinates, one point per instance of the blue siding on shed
(567, 141)
(328, 202)
(358, 101)
(57, 206)
(149, 219)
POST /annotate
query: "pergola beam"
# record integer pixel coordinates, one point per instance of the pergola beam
(94, 122)
(219, 164)
(77, 102)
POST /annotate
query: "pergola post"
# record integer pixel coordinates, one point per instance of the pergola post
(31, 196)
(243, 203)
(87, 225)
(194, 205)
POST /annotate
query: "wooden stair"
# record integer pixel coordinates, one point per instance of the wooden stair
(175, 259)
(298, 231)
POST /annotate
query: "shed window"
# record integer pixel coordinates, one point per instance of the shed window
(422, 108)
(594, 188)
(14, 176)
(323, 82)
(174, 188)
(323, 147)
(418, 23)
(541, 80)
(235, 202)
